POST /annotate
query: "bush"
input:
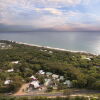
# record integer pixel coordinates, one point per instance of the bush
(49, 89)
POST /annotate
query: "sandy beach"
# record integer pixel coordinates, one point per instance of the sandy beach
(52, 48)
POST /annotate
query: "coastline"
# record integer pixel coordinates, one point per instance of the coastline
(53, 48)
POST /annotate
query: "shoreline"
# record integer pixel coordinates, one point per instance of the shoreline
(53, 48)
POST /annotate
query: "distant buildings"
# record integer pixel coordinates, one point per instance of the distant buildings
(86, 57)
(41, 72)
(34, 83)
(7, 82)
(50, 80)
(54, 76)
(10, 70)
(61, 78)
(50, 52)
(68, 83)
(4, 46)
(47, 82)
(33, 78)
(15, 62)
(44, 50)
(48, 74)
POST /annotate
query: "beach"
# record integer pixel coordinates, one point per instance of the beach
(52, 48)
(66, 41)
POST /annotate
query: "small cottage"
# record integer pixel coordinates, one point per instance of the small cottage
(48, 73)
(33, 78)
(15, 62)
(68, 83)
(47, 82)
(41, 72)
(34, 84)
(61, 78)
(54, 76)
(7, 82)
(10, 70)
(50, 52)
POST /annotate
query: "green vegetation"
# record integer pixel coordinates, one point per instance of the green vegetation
(49, 89)
(44, 98)
(83, 73)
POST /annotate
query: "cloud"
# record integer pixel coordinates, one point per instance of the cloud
(56, 14)
(49, 10)
(63, 2)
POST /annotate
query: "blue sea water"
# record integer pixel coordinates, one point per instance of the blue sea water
(76, 41)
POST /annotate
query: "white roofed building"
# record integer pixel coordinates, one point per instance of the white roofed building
(54, 76)
(61, 78)
(7, 82)
(88, 58)
(48, 73)
(10, 70)
(50, 52)
(15, 62)
(41, 72)
(35, 84)
(45, 50)
(33, 77)
(47, 82)
(68, 83)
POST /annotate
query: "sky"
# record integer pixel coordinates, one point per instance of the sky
(56, 15)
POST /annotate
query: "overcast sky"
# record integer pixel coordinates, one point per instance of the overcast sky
(60, 15)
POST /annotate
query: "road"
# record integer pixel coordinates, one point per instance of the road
(76, 92)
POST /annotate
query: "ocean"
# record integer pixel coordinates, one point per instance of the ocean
(75, 41)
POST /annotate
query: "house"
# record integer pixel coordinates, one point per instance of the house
(54, 76)
(2, 45)
(45, 50)
(7, 82)
(88, 58)
(10, 70)
(33, 77)
(15, 62)
(34, 84)
(41, 50)
(50, 52)
(58, 79)
(47, 82)
(61, 78)
(41, 72)
(68, 83)
(9, 45)
(48, 73)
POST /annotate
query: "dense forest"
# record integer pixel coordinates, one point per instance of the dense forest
(82, 69)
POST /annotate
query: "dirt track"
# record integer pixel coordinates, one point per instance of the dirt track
(83, 92)
(21, 90)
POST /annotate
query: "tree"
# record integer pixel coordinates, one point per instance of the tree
(49, 89)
